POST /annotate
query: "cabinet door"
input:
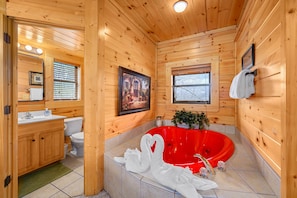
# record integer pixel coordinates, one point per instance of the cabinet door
(27, 153)
(51, 146)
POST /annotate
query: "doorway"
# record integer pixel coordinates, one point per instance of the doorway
(48, 44)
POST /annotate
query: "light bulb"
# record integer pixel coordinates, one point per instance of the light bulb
(39, 51)
(180, 6)
(28, 47)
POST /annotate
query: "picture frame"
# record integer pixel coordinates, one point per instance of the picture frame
(35, 78)
(134, 92)
(248, 59)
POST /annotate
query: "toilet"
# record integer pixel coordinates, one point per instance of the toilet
(72, 128)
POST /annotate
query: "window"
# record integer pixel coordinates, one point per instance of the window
(66, 81)
(191, 85)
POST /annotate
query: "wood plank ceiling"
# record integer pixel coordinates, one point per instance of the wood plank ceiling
(161, 22)
(47, 37)
(156, 17)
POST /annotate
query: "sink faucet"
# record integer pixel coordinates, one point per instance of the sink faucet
(206, 163)
(28, 115)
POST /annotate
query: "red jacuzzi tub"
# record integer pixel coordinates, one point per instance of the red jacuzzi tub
(182, 144)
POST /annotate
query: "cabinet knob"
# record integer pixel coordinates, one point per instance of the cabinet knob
(33, 140)
(42, 138)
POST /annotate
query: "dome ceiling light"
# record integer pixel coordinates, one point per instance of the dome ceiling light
(180, 6)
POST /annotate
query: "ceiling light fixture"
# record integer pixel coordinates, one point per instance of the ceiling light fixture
(29, 49)
(180, 6)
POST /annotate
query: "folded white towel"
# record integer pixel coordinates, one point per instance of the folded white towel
(36, 93)
(242, 85)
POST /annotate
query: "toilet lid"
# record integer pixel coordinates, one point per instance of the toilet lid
(78, 136)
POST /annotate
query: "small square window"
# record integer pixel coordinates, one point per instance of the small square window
(192, 88)
(193, 84)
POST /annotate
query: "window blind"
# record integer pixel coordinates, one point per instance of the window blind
(196, 69)
(65, 81)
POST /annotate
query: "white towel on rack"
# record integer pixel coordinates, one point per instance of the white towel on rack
(249, 83)
(36, 93)
(242, 85)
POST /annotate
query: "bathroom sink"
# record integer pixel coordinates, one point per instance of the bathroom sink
(33, 119)
(36, 116)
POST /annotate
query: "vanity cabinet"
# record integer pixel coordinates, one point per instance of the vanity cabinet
(39, 144)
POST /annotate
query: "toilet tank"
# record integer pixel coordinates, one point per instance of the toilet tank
(72, 125)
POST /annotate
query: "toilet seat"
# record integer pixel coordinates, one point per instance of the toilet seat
(77, 137)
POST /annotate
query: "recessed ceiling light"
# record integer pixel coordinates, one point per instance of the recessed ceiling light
(180, 6)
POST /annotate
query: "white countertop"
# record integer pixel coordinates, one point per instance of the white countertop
(36, 116)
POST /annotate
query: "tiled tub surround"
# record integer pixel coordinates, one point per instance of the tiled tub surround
(243, 178)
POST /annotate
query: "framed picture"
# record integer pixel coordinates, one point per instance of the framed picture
(248, 59)
(35, 78)
(134, 92)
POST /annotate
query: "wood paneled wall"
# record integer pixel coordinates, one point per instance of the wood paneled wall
(219, 43)
(259, 117)
(65, 108)
(66, 13)
(129, 47)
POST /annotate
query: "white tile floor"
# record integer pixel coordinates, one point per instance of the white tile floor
(70, 185)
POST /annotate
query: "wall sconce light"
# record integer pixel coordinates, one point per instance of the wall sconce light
(180, 6)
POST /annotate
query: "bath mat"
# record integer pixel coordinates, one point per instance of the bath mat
(36, 179)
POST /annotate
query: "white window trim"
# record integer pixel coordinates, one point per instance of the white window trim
(214, 106)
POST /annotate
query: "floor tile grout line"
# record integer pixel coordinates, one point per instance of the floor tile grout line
(68, 184)
(56, 192)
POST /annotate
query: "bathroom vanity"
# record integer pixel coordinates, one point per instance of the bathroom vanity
(40, 142)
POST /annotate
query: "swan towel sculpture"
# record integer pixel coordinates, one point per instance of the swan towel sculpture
(177, 178)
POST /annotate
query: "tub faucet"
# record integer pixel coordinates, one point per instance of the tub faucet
(206, 163)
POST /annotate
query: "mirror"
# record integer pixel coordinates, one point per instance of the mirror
(36, 63)
(30, 78)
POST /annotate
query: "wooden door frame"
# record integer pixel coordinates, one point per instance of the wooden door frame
(8, 122)
(94, 139)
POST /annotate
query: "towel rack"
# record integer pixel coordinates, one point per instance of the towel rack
(255, 72)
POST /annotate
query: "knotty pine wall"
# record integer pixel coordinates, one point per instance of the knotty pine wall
(129, 47)
(259, 117)
(214, 43)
